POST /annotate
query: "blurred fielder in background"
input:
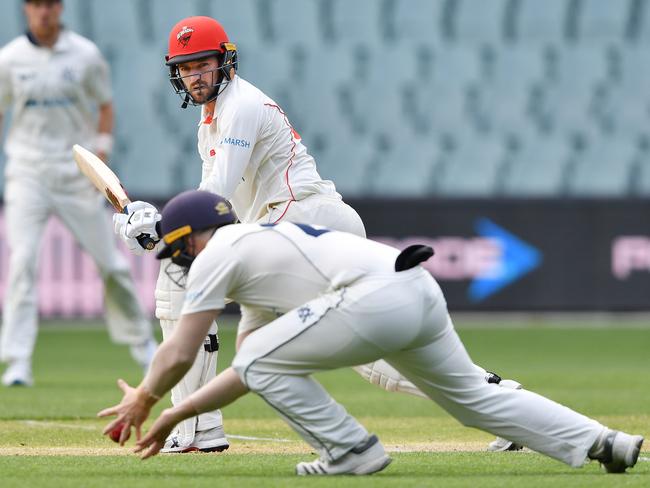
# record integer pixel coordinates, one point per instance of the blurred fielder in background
(55, 78)
(254, 158)
(341, 300)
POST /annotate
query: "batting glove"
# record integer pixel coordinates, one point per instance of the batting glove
(140, 219)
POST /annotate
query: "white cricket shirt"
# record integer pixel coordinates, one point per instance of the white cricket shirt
(277, 268)
(53, 92)
(252, 156)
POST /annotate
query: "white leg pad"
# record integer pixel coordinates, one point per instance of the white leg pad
(383, 375)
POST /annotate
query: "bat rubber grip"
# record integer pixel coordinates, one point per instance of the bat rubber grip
(146, 241)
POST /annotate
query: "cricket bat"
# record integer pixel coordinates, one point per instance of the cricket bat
(107, 183)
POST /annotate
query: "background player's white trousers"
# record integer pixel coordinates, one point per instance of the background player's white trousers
(401, 317)
(34, 192)
(169, 302)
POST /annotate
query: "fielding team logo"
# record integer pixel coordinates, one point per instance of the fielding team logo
(184, 36)
(222, 208)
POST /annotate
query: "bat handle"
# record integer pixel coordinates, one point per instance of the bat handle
(146, 241)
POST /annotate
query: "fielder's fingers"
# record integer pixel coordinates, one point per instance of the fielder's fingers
(124, 386)
(112, 425)
(107, 412)
(126, 432)
(138, 432)
(143, 443)
(153, 450)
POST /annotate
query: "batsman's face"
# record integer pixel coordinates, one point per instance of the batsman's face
(43, 16)
(200, 77)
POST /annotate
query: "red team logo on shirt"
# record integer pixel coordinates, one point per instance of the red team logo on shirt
(183, 37)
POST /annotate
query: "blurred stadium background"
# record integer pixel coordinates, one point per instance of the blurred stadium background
(514, 135)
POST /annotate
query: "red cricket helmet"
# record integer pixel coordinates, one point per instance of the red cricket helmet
(196, 38)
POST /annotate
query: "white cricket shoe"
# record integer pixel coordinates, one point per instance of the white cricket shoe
(618, 451)
(18, 373)
(211, 440)
(367, 458)
(501, 445)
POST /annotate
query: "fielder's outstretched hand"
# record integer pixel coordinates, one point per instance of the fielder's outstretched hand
(132, 411)
(154, 440)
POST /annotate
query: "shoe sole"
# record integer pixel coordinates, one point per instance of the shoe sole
(215, 449)
(373, 466)
(180, 451)
(19, 384)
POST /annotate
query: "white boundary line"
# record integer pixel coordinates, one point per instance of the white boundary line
(265, 439)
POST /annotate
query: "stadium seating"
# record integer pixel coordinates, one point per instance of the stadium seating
(539, 166)
(400, 97)
(408, 166)
(603, 21)
(480, 22)
(422, 21)
(545, 21)
(603, 167)
(296, 21)
(472, 165)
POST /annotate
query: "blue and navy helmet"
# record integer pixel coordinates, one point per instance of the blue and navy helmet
(191, 211)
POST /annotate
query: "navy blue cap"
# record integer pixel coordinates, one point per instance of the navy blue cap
(189, 212)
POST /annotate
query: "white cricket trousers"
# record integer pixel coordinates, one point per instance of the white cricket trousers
(33, 192)
(403, 318)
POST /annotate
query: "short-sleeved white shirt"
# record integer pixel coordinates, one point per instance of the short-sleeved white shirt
(54, 92)
(252, 156)
(277, 268)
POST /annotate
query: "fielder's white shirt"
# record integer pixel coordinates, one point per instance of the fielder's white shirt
(252, 156)
(53, 92)
(277, 268)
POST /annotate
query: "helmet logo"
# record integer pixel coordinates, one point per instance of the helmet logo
(183, 37)
(222, 208)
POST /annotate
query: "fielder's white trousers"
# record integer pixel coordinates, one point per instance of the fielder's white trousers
(403, 318)
(33, 192)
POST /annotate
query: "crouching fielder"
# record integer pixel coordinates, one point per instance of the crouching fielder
(341, 299)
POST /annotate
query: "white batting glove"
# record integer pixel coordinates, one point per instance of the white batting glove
(140, 219)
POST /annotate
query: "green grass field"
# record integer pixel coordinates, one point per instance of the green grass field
(50, 436)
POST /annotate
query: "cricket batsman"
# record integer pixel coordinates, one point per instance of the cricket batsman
(343, 300)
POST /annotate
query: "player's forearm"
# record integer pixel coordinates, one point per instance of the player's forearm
(176, 355)
(221, 391)
(104, 138)
(106, 119)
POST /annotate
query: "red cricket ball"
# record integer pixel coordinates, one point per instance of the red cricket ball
(117, 431)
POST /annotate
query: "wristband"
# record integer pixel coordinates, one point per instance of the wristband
(104, 143)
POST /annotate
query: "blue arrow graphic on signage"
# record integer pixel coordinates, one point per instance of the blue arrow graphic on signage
(517, 259)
